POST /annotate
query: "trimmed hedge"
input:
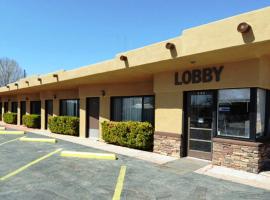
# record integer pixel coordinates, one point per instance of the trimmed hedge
(31, 121)
(10, 118)
(65, 125)
(137, 135)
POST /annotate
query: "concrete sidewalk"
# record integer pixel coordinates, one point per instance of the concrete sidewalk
(143, 155)
(261, 180)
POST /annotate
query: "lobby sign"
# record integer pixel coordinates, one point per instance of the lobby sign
(194, 76)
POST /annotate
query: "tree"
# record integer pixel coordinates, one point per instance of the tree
(10, 71)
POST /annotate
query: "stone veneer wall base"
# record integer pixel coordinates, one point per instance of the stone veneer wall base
(247, 156)
(167, 144)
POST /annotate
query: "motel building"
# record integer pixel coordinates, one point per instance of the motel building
(206, 92)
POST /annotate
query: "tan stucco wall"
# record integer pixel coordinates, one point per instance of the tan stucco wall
(56, 96)
(223, 34)
(60, 94)
(46, 95)
(264, 71)
(8, 99)
(121, 89)
(18, 98)
(169, 97)
(168, 112)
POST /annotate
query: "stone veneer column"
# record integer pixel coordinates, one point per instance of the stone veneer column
(167, 144)
(241, 155)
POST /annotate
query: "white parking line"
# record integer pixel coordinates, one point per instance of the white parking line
(9, 141)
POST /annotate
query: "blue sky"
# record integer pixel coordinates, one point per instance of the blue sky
(48, 35)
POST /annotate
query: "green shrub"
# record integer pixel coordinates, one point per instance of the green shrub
(31, 121)
(137, 135)
(10, 118)
(65, 125)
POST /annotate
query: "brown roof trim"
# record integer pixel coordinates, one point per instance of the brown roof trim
(237, 142)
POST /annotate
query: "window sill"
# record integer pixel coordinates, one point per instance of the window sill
(236, 141)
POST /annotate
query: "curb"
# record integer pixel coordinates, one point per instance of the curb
(104, 156)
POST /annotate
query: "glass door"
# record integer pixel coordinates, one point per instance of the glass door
(200, 114)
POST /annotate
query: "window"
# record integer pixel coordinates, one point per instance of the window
(148, 109)
(69, 107)
(35, 107)
(139, 108)
(260, 122)
(5, 107)
(234, 112)
(14, 106)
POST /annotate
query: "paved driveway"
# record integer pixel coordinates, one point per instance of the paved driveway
(67, 178)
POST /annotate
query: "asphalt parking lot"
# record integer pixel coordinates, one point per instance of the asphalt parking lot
(68, 178)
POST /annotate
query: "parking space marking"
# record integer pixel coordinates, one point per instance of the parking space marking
(11, 132)
(104, 156)
(29, 165)
(48, 140)
(119, 184)
(9, 141)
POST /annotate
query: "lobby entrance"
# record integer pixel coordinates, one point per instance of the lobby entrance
(199, 123)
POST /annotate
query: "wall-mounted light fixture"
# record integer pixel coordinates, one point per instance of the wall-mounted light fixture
(243, 27)
(103, 93)
(123, 58)
(54, 96)
(170, 46)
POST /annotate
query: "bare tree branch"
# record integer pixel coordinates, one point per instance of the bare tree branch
(10, 71)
